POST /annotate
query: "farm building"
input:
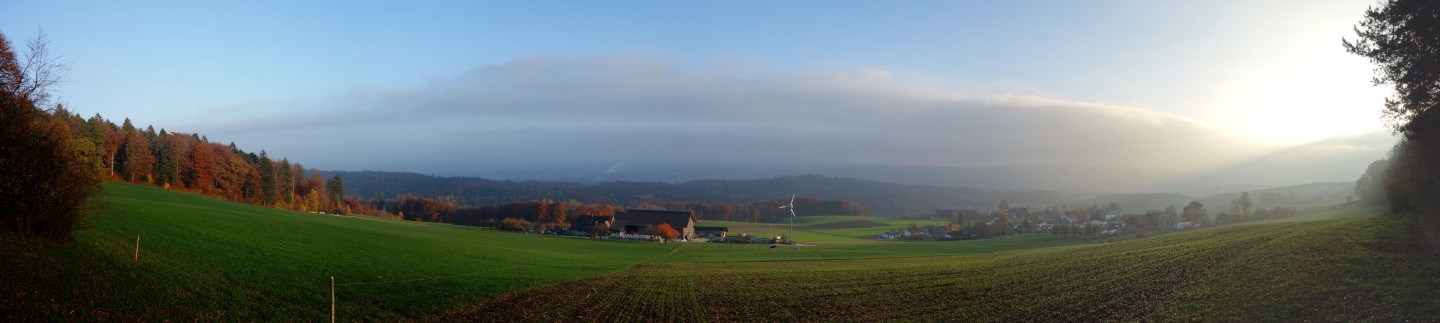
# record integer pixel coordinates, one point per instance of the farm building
(634, 220)
(585, 225)
(712, 232)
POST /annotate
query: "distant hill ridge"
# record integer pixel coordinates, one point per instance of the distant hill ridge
(882, 198)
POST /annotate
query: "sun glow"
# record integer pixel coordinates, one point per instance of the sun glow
(1306, 99)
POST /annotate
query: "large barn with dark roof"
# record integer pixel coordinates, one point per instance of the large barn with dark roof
(587, 224)
(634, 220)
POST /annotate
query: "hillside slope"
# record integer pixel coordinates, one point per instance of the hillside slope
(208, 259)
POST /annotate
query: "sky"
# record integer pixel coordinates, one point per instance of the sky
(453, 87)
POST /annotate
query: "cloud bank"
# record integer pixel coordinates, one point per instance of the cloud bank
(611, 108)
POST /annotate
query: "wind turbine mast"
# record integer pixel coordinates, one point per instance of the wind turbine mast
(791, 207)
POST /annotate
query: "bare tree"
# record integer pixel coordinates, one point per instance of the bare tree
(33, 74)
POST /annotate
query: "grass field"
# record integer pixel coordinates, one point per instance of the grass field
(806, 230)
(202, 258)
(1350, 269)
(724, 252)
(208, 259)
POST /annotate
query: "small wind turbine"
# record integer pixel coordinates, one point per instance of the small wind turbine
(791, 207)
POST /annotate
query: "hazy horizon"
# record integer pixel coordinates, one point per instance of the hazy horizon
(1330, 160)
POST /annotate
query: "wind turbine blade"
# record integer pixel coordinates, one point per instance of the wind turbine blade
(791, 206)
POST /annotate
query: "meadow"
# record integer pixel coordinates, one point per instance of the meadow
(726, 252)
(207, 259)
(806, 231)
(1356, 268)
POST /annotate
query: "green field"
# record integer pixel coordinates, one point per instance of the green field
(203, 258)
(208, 259)
(1358, 268)
(827, 236)
(726, 252)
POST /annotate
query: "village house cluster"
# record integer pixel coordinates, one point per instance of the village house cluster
(642, 224)
(973, 223)
(963, 224)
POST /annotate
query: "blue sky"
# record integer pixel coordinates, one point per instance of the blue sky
(502, 78)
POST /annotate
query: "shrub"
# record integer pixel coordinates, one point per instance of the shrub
(45, 180)
(514, 224)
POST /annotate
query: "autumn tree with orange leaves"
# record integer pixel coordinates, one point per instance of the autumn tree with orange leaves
(665, 231)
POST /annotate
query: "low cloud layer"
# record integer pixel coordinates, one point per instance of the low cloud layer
(608, 109)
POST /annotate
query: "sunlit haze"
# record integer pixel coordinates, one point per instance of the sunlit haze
(466, 88)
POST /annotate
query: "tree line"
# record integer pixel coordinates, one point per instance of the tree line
(1398, 37)
(411, 207)
(52, 160)
(192, 163)
(877, 197)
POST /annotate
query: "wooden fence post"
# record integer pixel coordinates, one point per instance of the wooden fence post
(332, 299)
(137, 250)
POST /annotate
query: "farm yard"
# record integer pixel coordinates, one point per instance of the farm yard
(208, 259)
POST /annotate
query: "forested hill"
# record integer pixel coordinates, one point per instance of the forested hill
(882, 198)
